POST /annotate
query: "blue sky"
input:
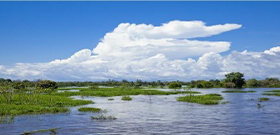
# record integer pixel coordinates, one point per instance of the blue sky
(32, 32)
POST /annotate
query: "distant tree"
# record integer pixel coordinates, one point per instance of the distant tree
(252, 83)
(236, 78)
(174, 85)
(46, 84)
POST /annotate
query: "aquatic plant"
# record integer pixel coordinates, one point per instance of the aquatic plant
(208, 99)
(110, 99)
(109, 92)
(238, 91)
(103, 117)
(263, 99)
(272, 93)
(224, 102)
(52, 130)
(126, 98)
(89, 109)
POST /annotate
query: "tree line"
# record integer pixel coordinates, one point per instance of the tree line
(231, 80)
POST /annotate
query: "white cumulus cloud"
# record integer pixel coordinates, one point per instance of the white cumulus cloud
(148, 52)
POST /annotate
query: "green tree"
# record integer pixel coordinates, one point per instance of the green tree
(252, 83)
(236, 78)
(174, 85)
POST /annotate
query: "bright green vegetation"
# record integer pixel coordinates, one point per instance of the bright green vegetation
(110, 99)
(224, 102)
(174, 85)
(52, 130)
(103, 117)
(109, 92)
(208, 99)
(272, 93)
(89, 109)
(126, 98)
(238, 91)
(263, 99)
(37, 104)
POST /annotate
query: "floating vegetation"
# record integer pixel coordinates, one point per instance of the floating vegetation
(260, 106)
(238, 91)
(37, 104)
(110, 99)
(7, 119)
(224, 102)
(272, 93)
(103, 117)
(263, 99)
(126, 98)
(251, 99)
(208, 99)
(52, 130)
(110, 92)
(89, 109)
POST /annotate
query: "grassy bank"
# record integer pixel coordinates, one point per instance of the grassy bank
(238, 91)
(208, 99)
(89, 109)
(37, 104)
(109, 92)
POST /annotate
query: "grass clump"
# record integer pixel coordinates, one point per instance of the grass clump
(224, 102)
(103, 117)
(238, 91)
(272, 93)
(110, 92)
(37, 104)
(208, 99)
(52, 130)
(89, 109)
(126, 98)
(110, 99)
(263, 99)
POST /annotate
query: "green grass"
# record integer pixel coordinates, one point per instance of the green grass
(238, 91)
(263, 99)
(89, 109)
(208, 99)
(272, 93)
(110, 92)
(126, 98)
(37, 104)
(52, 130)
(103, 117)
(110, 99)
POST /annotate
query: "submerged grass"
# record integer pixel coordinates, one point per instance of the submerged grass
(272, 93)
(238, 91)
(126, 98)
(52, 130)
(89, 109)
(38, 104)
(110, 92)
(263, 99)
(110, 99)
(208, 99)
(103, 117)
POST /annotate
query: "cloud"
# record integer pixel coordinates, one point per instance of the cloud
(150, 52)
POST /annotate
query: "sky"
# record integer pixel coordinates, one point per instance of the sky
(67, 41)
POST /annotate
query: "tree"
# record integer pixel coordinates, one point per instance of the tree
(236, 78)
(252, 83)
(174, 85)
(46, 84)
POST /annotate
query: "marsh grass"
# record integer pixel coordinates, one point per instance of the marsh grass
(110, 99)
(208, 99)
(272, 93)
(225, 102)
(238, 91)
(52, 130)
(110, 92)
(126, 98)
(103, 117)
(263, 99)
(89, 109)
(28, 104)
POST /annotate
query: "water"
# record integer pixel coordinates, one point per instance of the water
(162, 115)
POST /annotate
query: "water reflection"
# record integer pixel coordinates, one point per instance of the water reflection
(162, 115)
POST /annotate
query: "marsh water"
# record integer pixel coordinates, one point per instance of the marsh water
(162, 115)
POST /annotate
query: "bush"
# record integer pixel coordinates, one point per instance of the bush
(174, 85)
